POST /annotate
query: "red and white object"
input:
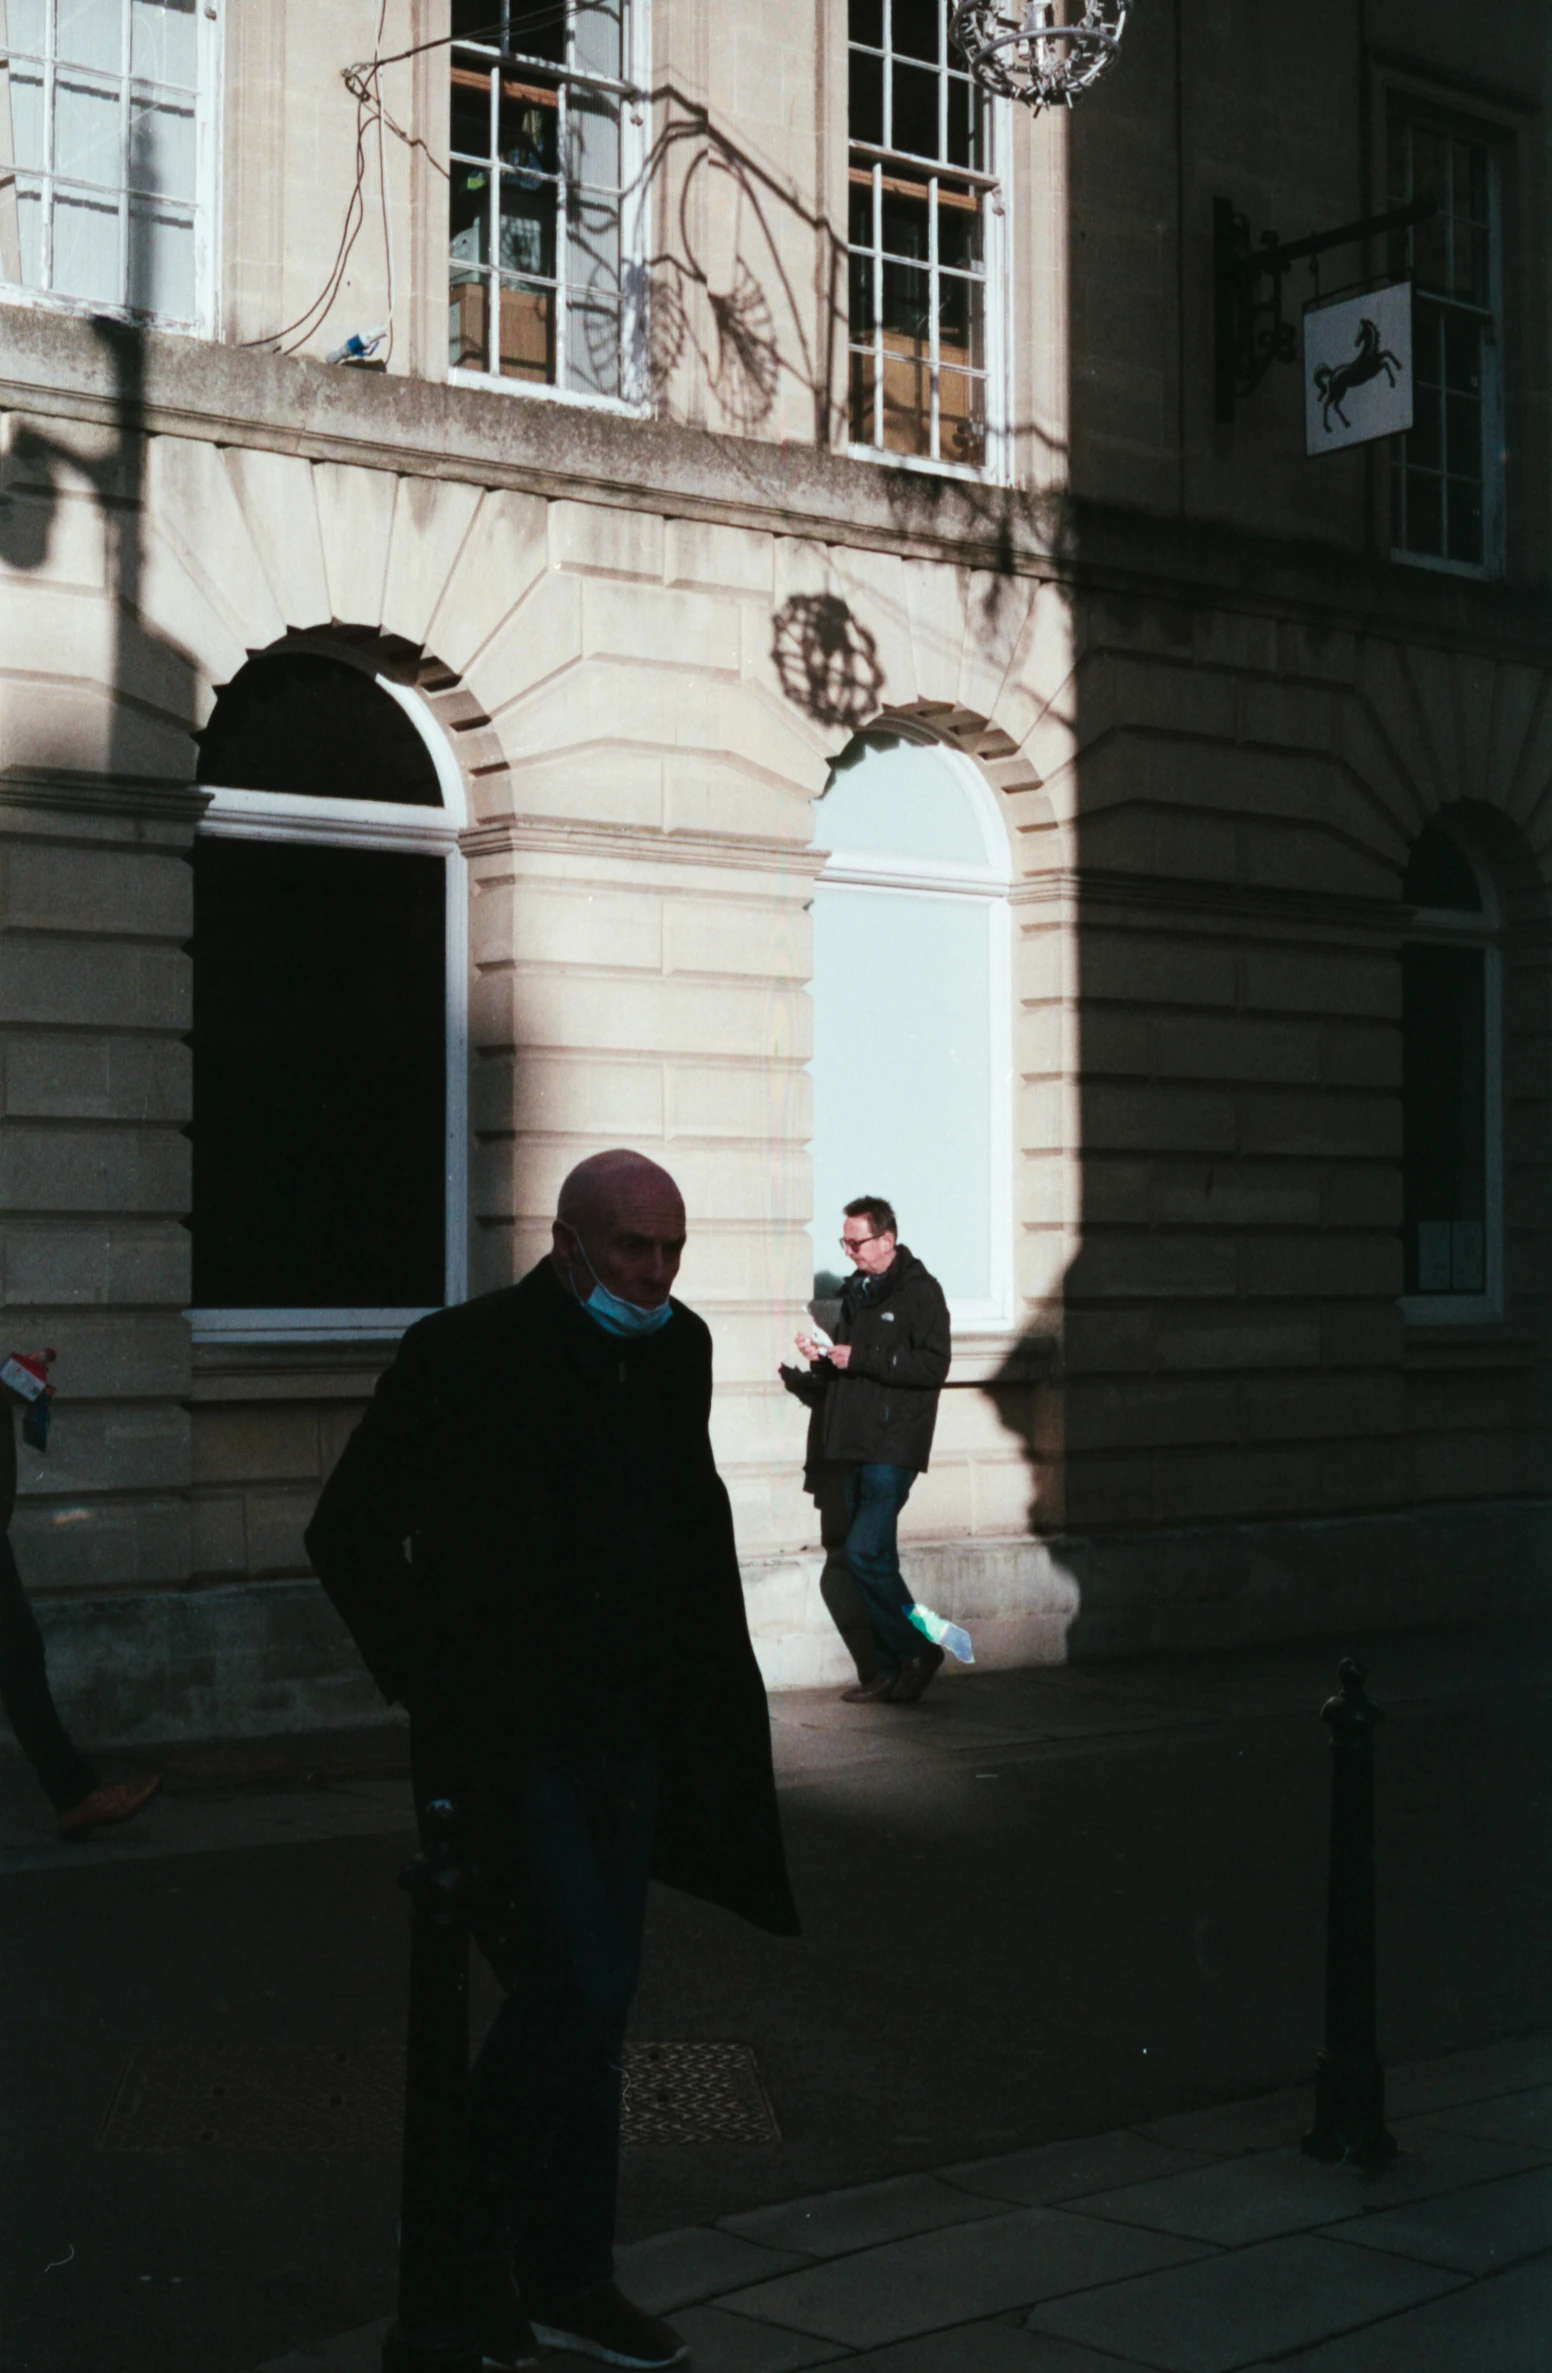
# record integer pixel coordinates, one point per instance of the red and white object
(26, 1372)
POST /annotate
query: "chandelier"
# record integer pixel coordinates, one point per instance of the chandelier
(1044, 52)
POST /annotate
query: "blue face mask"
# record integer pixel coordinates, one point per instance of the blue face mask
(614, 1314)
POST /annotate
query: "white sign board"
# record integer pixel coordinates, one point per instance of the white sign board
(1358, 369)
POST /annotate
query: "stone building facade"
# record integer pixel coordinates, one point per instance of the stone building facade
(680, 477)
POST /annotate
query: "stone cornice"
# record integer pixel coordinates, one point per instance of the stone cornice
(638, 845)
(1080, 892)
(67, 368)
(71, 794)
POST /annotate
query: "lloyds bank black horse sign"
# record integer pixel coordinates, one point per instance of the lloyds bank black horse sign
(1358, 369)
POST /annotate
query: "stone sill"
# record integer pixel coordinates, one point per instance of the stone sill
(287, 1371)
(1481, 1350)
(56, 365)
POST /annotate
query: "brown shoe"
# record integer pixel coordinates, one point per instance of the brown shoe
(912, 1679)
(863, 1693)
(115, 1800)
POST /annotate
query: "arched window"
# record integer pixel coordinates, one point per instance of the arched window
(330, 1027)
(1452, 1099)
(912, 1037)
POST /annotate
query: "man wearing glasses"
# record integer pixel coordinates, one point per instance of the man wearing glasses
(874, 1398)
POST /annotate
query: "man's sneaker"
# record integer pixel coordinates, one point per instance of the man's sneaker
(862, 1693)
(502, 2332)
(604, 2324)
(115, 1800)
(914, 1676)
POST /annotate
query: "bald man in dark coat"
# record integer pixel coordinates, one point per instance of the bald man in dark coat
(528, 1537)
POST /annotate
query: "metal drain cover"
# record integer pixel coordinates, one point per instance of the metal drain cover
(695, 2092)
(326, 2098)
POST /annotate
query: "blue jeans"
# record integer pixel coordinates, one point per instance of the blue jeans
(875, 1496)
(544, 2093)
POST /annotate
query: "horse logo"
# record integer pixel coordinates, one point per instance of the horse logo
(1371, 358)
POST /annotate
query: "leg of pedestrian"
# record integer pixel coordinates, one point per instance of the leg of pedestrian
(81, 1799)
(875, 1495)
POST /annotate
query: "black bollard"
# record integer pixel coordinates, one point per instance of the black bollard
(433, 2333)
(1349, 2074)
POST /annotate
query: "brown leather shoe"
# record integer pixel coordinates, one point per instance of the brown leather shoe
(115, 1800)
(863, 1693)
(912, 1679)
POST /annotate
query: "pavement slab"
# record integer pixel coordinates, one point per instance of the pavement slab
(1500, 2326)
(863, 2217)
(1478, 2231)
(956, 2277)
(983, 2348)
(723, 2343)
(1284, 2192)
(1233, 2309)
(1522, 2062)
(674, 2269)
(1055, 2171)
(1524, 2118)
(1264, 2124)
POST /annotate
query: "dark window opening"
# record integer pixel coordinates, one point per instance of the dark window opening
(297, 721)
(1440, 874)
(320, 1081)
(1444, 1118)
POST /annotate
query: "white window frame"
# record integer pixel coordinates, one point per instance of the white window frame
(209, 40)
(1448, 927)
(989, 884)
(1491, 565)
(385, 825)
(634, 100)
(996, 284)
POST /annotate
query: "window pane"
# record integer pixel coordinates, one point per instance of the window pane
(29, 229)
(905, 302)
(528, 227)
(915, 1121)
(916, 111)
(861, 298)
(162, 41)
(915, 29)
(865, 22)
(863, 380)
(527, 334)
(319, 1077)
(1425, 513)
(1425, 438)
(86, 249)
(961, 417)
(1464, 511)
(91, 33)
(468, 319)
(88, 133)
(599, 39)
(907, 401)
(867, 99)
(905, 224)
(595, 142)
(470, 125)
(469, 214)
(161, 148)
(890, 798)
(27, 21)
(1462, 352)
(161, 260)
(26, 117)
(296, 721)
(1444, 1110)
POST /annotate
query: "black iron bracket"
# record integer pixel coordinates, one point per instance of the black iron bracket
(1249, 330)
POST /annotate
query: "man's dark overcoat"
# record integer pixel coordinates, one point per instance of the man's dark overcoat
(448, 1534)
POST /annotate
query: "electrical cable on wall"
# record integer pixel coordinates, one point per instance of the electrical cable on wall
(361, 80)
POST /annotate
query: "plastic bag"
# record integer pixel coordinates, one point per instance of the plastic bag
(943, 1634)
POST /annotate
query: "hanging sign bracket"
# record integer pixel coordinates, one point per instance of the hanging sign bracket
(1249, 331)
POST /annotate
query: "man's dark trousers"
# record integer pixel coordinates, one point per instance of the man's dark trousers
(544, 2095)
(24, 1692)
(875, 1495)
